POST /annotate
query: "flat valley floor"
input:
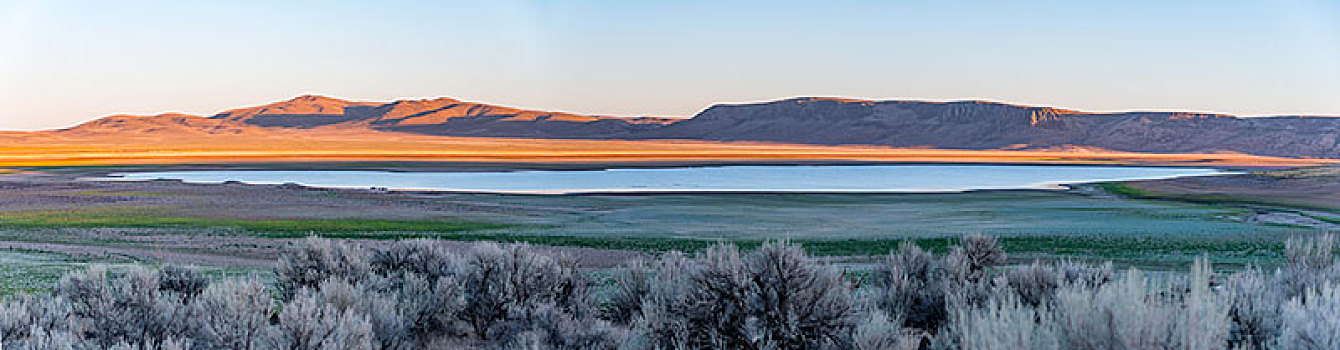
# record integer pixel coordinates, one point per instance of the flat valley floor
(56, 220)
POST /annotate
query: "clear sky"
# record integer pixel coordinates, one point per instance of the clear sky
(63, 62)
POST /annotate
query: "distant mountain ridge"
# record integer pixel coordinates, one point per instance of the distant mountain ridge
(990, 125)
(809, 120)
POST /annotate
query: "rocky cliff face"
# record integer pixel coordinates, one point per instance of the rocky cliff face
(986, 125)
(957, 125)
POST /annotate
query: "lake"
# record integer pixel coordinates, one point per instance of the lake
(832, 178)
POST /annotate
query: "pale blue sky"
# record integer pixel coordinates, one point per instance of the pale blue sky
(63, 62)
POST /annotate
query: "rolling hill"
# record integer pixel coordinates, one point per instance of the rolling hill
(973, 125)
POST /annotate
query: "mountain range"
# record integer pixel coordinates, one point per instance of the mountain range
(809, 120)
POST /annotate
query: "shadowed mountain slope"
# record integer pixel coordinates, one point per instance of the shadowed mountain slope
(987, 125)
(302, 112)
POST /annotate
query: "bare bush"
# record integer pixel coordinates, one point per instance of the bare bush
(186, 282)
(981, 252)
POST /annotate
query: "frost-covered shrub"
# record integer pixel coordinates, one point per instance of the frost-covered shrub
(1204, 322)
(1004, 323)
(797, 304)
(660, 322)
(915, 286)
(502, 285)
(29, 316)
(1134, 313)
(877, 332)
(127, 308)
(429, 308)
(232, 314)
(1034, 284)
(910, 286)
(50, 338)
(424, 257)
(551, 328)
(632, 283)
(773, 297)
(1074, 273)
(1255, 307)
(1311, 265)
(1312, 320)
(311, 261)
(419, 295)
(313, 321)
(1313, 253)
(716, 307)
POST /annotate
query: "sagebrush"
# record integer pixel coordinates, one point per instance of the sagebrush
(418, 294)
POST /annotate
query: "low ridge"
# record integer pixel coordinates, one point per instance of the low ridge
(166, 123)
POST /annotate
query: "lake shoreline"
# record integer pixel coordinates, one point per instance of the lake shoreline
(426, 167)
(937, 178)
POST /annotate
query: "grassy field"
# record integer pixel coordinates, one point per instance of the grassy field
(280, 227)
(1315, 189)
(26, 271)
(1141, 192)
(1031, 224)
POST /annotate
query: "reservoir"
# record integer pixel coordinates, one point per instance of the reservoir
(747, 178)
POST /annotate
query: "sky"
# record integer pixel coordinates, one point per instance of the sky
(65, 62)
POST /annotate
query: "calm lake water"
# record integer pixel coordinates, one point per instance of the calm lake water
(863, 178)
